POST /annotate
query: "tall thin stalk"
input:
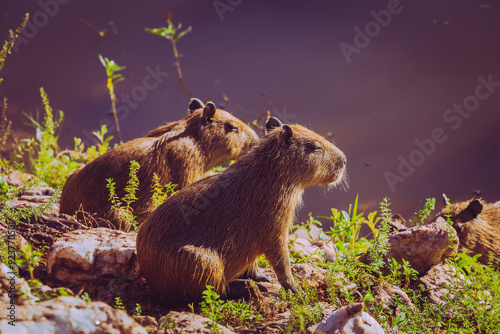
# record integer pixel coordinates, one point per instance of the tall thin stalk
(111, 69)
(173, 35)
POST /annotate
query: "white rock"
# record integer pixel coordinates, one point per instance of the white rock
(314, 275)
(87, 254)
(350, 320)
(187, 322)
(11, 285)
(424, 246)
(70, 315)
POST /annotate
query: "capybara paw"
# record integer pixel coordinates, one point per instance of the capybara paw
(290, 287)
(262, 278)
(241, 288)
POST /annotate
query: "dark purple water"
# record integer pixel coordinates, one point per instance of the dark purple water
(380, 92)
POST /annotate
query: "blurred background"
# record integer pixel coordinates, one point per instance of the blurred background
(409, 90)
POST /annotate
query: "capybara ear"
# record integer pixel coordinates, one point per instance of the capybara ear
(272, 123)
(195, 104)
(209, 111)
(287, 134)
(474, 208)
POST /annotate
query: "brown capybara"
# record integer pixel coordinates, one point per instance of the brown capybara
(180, 152)
(213, 230)
(478, 228)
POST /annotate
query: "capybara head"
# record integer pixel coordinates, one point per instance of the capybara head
(309, 158)
(463, 212)
(220, 135)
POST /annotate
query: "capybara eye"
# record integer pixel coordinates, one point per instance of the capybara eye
(231, 128)
(312, 147)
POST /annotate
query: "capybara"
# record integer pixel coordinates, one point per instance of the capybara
(215, 229)
(478, 228)
(180, 152)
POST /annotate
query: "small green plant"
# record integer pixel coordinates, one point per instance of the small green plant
(119, 304)
(449, 221)
(113, 78)
(380, 246)
(9, 44)
(125, 212)
(160, 193)
(168, 324)
(211, 307)
(173, 34)
(85, 296)
(234, 313)
(347, 227)
(80, 153)
(422, 214)
(43, 149)
(138, 310)
(304, 308)
(401, 273)
(28, 258)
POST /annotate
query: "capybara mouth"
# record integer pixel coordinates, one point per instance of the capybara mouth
(341, 180)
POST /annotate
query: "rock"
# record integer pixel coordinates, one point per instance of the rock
(45, 229)
(37, 194)
(435, 282)
(11, 237)
(312, 243)
(326, 310)
(186, 322)
(70, 315)
(350, 319)
(424, 246)
(385, 294)
(149, 323)
(314, 275)
(276, 325)
(14, 289)
(82, 255)
(314, 233)
(17, 178)
(303, 248)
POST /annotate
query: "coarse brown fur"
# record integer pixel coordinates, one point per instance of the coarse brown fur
(478, 228)
(180, 152)
(215, 229)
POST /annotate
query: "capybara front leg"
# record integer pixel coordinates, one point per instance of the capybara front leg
(280, 260)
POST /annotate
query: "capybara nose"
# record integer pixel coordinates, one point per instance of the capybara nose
(342, 160)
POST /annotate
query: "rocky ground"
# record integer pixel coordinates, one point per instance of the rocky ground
(100, 265)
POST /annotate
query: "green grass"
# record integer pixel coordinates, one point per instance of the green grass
(472, 305)
(233, 313)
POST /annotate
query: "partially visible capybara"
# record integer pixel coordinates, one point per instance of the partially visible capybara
(215, 229)
(180, 152)
(478, 228)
